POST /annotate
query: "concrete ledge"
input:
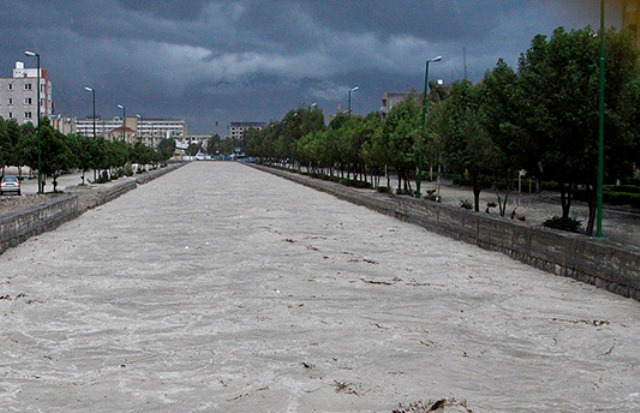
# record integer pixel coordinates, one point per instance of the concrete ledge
(18, 226)
(602, 263)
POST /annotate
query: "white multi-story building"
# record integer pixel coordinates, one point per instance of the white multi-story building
(148, 131)
(238, 129)
(19, 95)
(389, 100)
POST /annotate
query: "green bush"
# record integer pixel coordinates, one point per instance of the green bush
(633, 189)
(622, 198)
(617, 198)
(128, 170)
(356, 184)
(383, 189)
(563, 224)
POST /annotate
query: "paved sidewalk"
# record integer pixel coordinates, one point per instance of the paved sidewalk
(220, 288)
(618, 225)
(30, 183)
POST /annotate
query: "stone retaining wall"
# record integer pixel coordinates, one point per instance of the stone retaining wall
(18, 226)
(598, 262)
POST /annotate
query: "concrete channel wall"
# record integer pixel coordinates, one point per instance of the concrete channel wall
(598, 262)
(18, 226)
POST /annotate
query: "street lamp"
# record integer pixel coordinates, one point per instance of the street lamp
(139, 116)
(93, 93)
(124, 119)
(600, 179)
(39, 139)
(353, 89)
(424, 123)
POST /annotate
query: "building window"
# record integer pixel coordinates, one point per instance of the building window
(27, 86)
(10, 115)
(10, 86)
(10, 101)
(27, 115)
(27, 101)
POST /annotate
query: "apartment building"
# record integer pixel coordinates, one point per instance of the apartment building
(148, 131)
(237, 129)
(19, 95)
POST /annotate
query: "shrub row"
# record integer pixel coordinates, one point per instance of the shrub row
(622, 198)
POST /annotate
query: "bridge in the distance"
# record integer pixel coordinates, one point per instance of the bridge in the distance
(269, 296)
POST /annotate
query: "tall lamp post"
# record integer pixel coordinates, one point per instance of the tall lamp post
(37, 56)
(600, 181)
(93, 93)
(124, 119)
(424, 123)
(139, 116)
(353, 89)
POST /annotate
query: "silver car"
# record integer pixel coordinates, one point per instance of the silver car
(9, 184)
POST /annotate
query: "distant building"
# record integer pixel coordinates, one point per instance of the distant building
(389, 100)
(19, 95)
(148, 131)
(185, 141)
(237, 129)
(122, 133)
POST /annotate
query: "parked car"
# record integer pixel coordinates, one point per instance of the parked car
(9, 184)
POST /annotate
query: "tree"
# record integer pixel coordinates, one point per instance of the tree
(226, 146)
(467, 146)
(402, 131)
(501, 114)
(559, 87)
(368, 153)
(6, 147)
(142, 155)
(375, 154)
(166, 148)
(193, 149)
(83, 148)
(57, 152)
(213, 144)
(10, 147)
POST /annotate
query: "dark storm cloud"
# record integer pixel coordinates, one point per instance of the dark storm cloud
(168, 9)
(228, 60)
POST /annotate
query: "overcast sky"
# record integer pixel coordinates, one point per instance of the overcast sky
(253, 60)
